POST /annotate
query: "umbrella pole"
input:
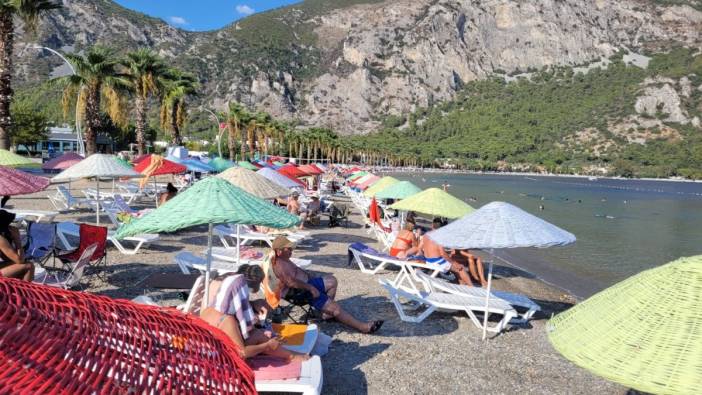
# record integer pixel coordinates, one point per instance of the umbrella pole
(487, 296)
(209, 265)
(97, 202)
(238, 246)
(155, 192)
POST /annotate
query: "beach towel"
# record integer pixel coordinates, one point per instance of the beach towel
(366, 250)
(293, 334)
(271, 368)
(232, 298)
(270, 281)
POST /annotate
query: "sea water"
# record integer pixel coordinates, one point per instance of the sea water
(622, 226)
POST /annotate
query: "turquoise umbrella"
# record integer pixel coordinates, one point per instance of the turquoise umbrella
(399, 190)
(220, 164)
(210, 201)
(247, 165)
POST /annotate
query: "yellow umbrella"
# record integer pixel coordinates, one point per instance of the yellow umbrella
(380, 185)
(435, 202)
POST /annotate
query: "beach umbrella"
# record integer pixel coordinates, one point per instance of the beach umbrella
(156, 165)
(254, 183)
(10, 159)
(210, 201)
(278, 163)
(284, 181)
(96, 166)
(644, 332)
(310, 169)
(16, 182)
(356, 175)
(291, 170)
(398, 190)
(363, 178)
(220, 164)
(380, 185)
(434, 202)
(196, 166)
(365, 184)
(62, 162)
(499, 225)
(247, 165)
(124, 162)
(60, 341)
(321, 167)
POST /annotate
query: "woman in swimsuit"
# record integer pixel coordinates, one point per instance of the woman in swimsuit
(12, 262)
(257, 341)
(404, 241)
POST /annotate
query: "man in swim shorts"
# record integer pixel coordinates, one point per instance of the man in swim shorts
(436, 255)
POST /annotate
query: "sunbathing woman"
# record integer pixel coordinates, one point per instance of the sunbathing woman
(12, 262)
(231, 311)
(404, 241)
(171, 192)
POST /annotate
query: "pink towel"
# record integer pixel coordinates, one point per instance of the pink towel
(271, 368)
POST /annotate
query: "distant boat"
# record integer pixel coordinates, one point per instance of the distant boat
(592, 178)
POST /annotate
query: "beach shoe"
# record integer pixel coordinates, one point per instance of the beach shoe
(376, 325)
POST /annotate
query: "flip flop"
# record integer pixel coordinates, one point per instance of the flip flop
(376, 325)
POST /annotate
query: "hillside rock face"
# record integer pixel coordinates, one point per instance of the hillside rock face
(390, 57)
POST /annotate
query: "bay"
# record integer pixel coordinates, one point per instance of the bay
(622, 226)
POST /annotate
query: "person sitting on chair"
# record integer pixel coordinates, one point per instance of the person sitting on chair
(322, 290)
(12, 262)
(294, 209)
(231, 311)
(171, 192)
(435, 254)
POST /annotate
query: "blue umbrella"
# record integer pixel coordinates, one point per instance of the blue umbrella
(500, 225)
(197, 166)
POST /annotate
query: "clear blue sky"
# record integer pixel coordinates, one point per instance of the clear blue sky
(202, 14)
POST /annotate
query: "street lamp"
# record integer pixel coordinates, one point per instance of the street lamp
(220, 129)
(79, 137)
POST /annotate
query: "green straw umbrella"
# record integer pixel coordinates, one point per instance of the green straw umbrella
(210, 201)
(380, 185)
(10, 159)
(399, 190)
(220, 164)
(644, 332)
(247, 165)
(434, 202)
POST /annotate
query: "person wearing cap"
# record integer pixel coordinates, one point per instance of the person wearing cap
(12, 263)
(322, 290)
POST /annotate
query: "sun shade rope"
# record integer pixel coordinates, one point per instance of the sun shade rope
(54, 341)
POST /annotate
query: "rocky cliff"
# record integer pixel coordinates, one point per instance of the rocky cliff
(348, 63)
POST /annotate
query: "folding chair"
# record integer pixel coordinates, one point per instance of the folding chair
(88, 235)
(41, 242)
(67, 279)
(301, 299)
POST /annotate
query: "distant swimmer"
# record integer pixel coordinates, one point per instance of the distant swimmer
(543, 198)
(445, 186)
(625, 202)
(473, 199)
(541, 207)
(424, 179)
(604, 200)
(580, 201)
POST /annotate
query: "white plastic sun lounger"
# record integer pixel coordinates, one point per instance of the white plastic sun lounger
(380, 260)
(448, 302)
(71, 229)
(432, 284)
(63, 200)
(247, 236)
(309, 383)
(229, 255)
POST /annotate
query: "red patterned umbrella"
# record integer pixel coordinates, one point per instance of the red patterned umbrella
(309, 169)
(293, 171)
(56, 341)
(62, 162)
(16, 182)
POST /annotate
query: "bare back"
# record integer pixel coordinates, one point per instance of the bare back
(430, 249)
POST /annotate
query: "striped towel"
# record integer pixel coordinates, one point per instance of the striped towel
(232, 298)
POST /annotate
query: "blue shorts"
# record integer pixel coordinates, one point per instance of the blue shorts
(320, 301)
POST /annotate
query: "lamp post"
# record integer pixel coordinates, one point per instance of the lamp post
(220, 130)
(79, 137)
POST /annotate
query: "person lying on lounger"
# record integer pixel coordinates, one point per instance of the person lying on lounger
(231, 311)
(12, 263)
(322, 290)
(435, 254)
(404, 241)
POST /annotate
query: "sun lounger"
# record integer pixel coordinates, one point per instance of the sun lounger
(309, 382)
(525, 304)
(449, 302)
(63, 200)
(362, 254)
(247, 236)
(35, 215)
(230, 255)
(187, 261)
(70, 229)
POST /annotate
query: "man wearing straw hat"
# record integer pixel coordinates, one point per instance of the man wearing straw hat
(322, 290)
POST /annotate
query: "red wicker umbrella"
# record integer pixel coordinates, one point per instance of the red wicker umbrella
(16, 182)
(291, 170)
(56, 341)
(166, 167)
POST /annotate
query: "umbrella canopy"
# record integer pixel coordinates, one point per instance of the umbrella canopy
(247, 165)
(380, 185)
(644, 332)
(356, 175)
(10, 159)
(210, 201)
(165, 167)
(398, 190)
(435, 202)
(291, 170)
(364, 178)
(500, 225)
(16, 182)
(278, 163)
(220, 164)
(365, 184)
(197, 166)
(96, 165)
(310, 169)
(280, 179)
(254, 183)
(320, 166)
(62, 162)
(124, 162)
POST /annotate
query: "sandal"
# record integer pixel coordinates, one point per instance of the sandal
(376, 325)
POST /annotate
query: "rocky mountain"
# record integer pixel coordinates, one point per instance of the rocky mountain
(348, 64)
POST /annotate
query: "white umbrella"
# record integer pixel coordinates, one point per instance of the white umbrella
(500, 225)
(279, 179)
(96, 166)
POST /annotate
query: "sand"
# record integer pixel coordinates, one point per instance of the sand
(443, 355)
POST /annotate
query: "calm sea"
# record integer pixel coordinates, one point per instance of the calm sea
(622, 226)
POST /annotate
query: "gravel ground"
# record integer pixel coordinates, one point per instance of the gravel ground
(444, 354)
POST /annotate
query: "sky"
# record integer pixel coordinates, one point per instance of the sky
(201, 15)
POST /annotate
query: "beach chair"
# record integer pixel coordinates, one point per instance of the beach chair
(63, 200)
(88, 235)
(229, 255)
(137, 240)
(187, 261)
(248, 236)
(363, 255)
(67, 279)
(309, 382)
(526, 308)
(433, 301)
(41, 242)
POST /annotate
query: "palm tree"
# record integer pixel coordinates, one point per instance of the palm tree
(29, 12)
(177, 86)
(96, 77)
(238, 117)
(145, 73)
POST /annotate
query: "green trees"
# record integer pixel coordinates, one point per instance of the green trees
(29, 12)
(28, 125)
(177, 87)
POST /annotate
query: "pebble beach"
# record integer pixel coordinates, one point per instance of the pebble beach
(443, 355)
